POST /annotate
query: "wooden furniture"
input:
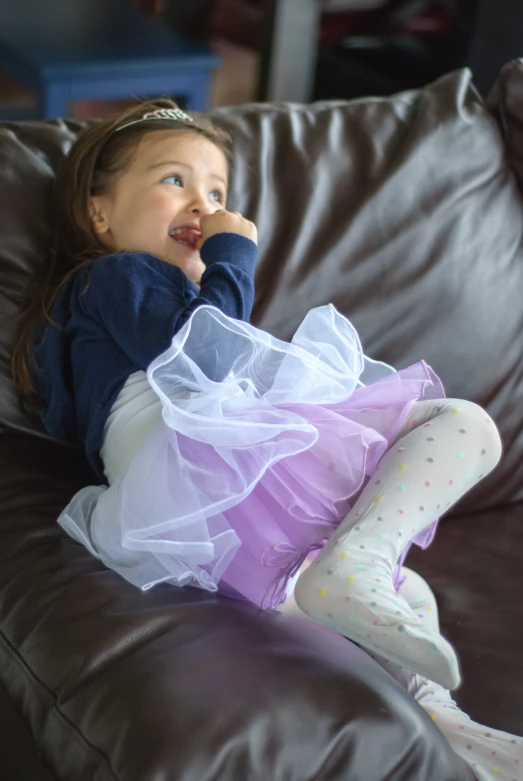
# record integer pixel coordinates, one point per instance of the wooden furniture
(97, 50)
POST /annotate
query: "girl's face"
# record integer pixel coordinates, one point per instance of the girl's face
(155, 205)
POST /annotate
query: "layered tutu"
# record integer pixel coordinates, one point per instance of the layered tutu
(261, 449)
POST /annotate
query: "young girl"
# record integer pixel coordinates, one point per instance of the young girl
(228, 456)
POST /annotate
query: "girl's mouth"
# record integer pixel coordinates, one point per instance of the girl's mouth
(187, 236)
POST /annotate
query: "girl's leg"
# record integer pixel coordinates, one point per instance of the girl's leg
(490, 753)
(442, 451)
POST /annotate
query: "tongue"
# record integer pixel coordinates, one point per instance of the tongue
(189, 236)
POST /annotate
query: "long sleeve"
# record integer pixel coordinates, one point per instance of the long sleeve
(143, 301)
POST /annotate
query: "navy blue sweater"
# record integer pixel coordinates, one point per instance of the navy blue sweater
(117, 315)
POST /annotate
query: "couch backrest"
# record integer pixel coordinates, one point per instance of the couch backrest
(401, 211)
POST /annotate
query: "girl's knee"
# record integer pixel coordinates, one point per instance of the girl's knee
(470, 418)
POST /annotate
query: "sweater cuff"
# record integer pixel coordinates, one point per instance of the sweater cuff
(230, 248)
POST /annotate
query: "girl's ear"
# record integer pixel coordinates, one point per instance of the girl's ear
(98, 214)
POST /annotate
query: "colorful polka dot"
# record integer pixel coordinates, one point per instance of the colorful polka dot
(402, 467)
(323, 591)
(344, 555)
(455, 411)
(378, 499)
(351, 580)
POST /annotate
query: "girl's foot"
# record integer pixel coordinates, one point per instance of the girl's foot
(352, 592)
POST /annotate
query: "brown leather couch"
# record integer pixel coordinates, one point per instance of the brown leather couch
(405, 213)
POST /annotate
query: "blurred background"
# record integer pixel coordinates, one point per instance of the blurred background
(296, 50)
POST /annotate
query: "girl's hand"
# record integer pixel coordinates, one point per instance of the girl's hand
(226, 222)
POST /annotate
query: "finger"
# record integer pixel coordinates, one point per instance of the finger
(220, 212)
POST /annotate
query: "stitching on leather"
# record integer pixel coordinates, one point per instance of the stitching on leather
(29, 673)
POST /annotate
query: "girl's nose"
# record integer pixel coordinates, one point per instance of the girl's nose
(201, 204)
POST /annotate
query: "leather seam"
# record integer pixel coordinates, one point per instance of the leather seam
(54, 708)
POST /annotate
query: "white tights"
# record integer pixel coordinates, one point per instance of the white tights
(491, 754)
(443, 449)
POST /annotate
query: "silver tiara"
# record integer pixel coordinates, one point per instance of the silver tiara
(161, 113)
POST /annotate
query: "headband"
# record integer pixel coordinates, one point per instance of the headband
(161, 113)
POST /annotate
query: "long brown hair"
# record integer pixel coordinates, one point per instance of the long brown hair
(97, 156)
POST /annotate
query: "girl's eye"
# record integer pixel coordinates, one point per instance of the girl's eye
(174, 179)
(216, 195)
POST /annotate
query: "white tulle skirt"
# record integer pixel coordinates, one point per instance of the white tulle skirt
(259, 448)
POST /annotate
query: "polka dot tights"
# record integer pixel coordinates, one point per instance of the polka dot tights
(444, 448)
(491, 754)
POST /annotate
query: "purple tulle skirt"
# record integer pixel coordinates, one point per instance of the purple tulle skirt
(262, 450)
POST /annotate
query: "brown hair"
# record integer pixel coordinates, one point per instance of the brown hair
(99, 153)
